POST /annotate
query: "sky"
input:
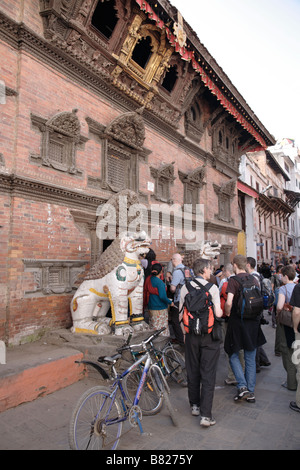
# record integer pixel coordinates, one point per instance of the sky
(257, 44)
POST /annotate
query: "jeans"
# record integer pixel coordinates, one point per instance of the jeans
(247, 379)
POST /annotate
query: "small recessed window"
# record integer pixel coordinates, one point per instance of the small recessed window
(193, 113)
(105, 17)
(170, 78)
(220, 138)
(142, 52)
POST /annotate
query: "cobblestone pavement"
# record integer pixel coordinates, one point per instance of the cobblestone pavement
(268, 424)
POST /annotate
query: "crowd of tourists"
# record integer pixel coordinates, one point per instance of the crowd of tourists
(202, 308)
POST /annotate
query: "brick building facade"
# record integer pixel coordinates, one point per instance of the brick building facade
(102, 95)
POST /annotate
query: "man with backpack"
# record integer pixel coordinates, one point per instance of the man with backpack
(243, 307)
(200, 304)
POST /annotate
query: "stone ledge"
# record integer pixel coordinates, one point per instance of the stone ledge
(36, 370)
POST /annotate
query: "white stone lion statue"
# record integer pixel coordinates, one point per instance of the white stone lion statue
(116, 281)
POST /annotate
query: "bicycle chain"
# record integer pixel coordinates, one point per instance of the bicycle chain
(135, 414)
(133, 410)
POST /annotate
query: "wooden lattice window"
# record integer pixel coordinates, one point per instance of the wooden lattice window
(164, 178)
(60, 139)
(193, 183)
(117, 172)
(225, 194)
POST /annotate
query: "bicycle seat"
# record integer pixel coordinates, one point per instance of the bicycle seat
(109, 359)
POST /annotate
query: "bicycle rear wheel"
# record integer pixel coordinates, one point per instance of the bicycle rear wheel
(150, 402)
(93, 423)
(175, 365)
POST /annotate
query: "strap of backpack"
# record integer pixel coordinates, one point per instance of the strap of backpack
(202, 286)
(205, 287)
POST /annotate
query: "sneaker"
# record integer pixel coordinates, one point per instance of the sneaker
(195, 410)
(206, 422)
(242, 393)
(250, 398)
(294, 406)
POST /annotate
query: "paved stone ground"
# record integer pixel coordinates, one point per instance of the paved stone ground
(268, 424)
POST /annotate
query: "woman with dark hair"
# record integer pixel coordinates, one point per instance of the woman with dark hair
(149, 260)
(155, 297)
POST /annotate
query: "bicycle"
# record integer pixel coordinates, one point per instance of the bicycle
(97, 419)
(171, 361)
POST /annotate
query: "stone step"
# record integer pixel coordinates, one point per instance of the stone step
(35, 370)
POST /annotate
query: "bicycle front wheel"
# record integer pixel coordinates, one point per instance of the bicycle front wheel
(175, 365)
(94, 422)
(150, 402)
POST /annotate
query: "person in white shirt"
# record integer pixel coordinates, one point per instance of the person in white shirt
(202, 351)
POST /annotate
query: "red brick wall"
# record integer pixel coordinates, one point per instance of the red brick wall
(37, 231)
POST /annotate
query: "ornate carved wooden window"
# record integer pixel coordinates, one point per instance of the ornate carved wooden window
(225, 193)
(145, 52)
(122, 147)
(60, 139)
(193, 183)
(225, 142)
(105, 18)
(164, 177)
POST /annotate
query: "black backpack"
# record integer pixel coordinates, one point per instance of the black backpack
(250, 301)
(266, 290)
(198, 314)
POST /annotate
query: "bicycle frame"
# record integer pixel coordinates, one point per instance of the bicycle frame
(117, 385)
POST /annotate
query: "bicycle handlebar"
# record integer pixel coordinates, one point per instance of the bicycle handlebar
(143, 343)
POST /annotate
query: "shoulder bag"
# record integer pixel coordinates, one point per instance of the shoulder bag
(284, 317)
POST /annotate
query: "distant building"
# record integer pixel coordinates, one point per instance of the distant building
(268, 205)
